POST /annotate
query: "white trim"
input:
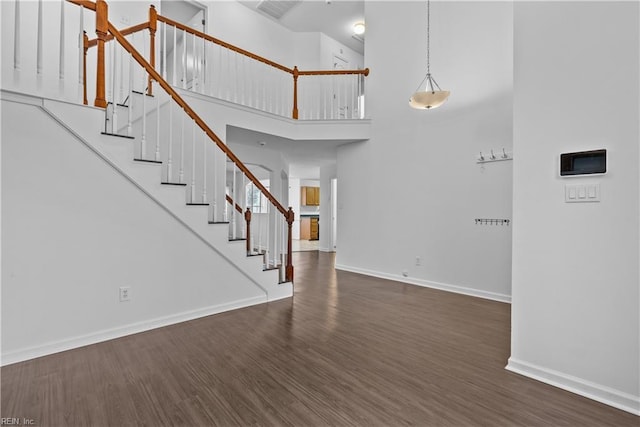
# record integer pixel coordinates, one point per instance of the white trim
(428, 284)
(122, 331)
(597, 392)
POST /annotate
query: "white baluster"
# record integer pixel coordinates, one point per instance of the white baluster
(175, 49)
(268, 241)
(184, 59)
(354, 95)
(182, 131)
(62, 27)
(39, 40)
(157, 96)
(260, 222)
(114, 103)
(325, 93)
(163, 57)
(204, 167)
(215, 185)
(193, 164)
(80, 55)
(121, 54)
(194, 81)
(143, 140)
(130, 97)
(335, 102)
(16, 36)
(170, 158)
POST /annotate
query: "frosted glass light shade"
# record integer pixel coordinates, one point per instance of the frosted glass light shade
(428, 99)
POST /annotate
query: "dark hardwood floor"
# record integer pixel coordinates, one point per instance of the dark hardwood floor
(348, 350)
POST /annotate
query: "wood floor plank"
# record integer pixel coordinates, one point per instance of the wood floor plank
(347, 350)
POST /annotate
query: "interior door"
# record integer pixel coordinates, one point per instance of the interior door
(340, 106)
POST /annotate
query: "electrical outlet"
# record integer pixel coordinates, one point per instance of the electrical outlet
(125, 293)
(418, 261)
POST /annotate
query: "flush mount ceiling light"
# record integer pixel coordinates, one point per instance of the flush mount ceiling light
(432, 96)
(359, 28)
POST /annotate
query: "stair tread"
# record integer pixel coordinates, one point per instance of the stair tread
(117, 134)
(197, 204)
(148, 161)
(174, 183)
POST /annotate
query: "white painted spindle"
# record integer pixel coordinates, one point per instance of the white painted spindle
(114, 102)
(182, 136)
(80, 55)
(157, 154)
(194, 66)
(143, 140)
(130, 97)
(184, 59)
(174, 69)
(39, 40)
(62, 28)
(163, 57)
(170, 157)
(204, 167)
(193, 163)
(16, 36)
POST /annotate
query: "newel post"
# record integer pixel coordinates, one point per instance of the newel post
(102, 28)
(296, 73)
(153, 25)
(289, 268)
(247, 218)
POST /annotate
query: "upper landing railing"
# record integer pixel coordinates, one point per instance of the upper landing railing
(195, 61)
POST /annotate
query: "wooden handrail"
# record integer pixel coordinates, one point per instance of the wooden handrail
(125, 32)
(84, 3)
(230, 201)
(364, 72)
(224, 44)
(178, 99)
(288, 214)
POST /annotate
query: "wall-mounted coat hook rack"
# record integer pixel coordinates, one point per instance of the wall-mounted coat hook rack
(492, 221)
(493, 158)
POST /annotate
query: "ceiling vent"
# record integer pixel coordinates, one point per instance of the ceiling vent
(276, 8)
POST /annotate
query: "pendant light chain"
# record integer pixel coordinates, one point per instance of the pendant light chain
(428, 39)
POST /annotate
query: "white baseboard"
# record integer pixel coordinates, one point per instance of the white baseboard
(600, 393)
(428, 284)
(134, 328)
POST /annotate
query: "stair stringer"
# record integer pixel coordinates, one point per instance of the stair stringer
(86, 123)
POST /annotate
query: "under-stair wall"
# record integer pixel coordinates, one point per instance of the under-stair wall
(80, 229)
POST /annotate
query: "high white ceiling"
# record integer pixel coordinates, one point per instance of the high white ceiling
(334, 18)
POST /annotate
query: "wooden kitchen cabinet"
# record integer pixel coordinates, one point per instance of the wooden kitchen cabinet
(310, 196)
(314, 233)
(305, 228)
(309, 228)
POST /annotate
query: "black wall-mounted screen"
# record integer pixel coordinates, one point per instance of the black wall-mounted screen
(583, 163)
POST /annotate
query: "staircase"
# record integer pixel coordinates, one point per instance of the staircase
(155, 150)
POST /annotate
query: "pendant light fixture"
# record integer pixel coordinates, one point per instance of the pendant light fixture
(431, 96)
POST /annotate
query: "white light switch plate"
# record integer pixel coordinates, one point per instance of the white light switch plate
(581, 193)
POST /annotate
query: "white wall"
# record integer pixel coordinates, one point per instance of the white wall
(74, 231)
(294, 202)
(330, 47)
(575, 312)
(414, 189)
(236, 24)
(327, 173)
